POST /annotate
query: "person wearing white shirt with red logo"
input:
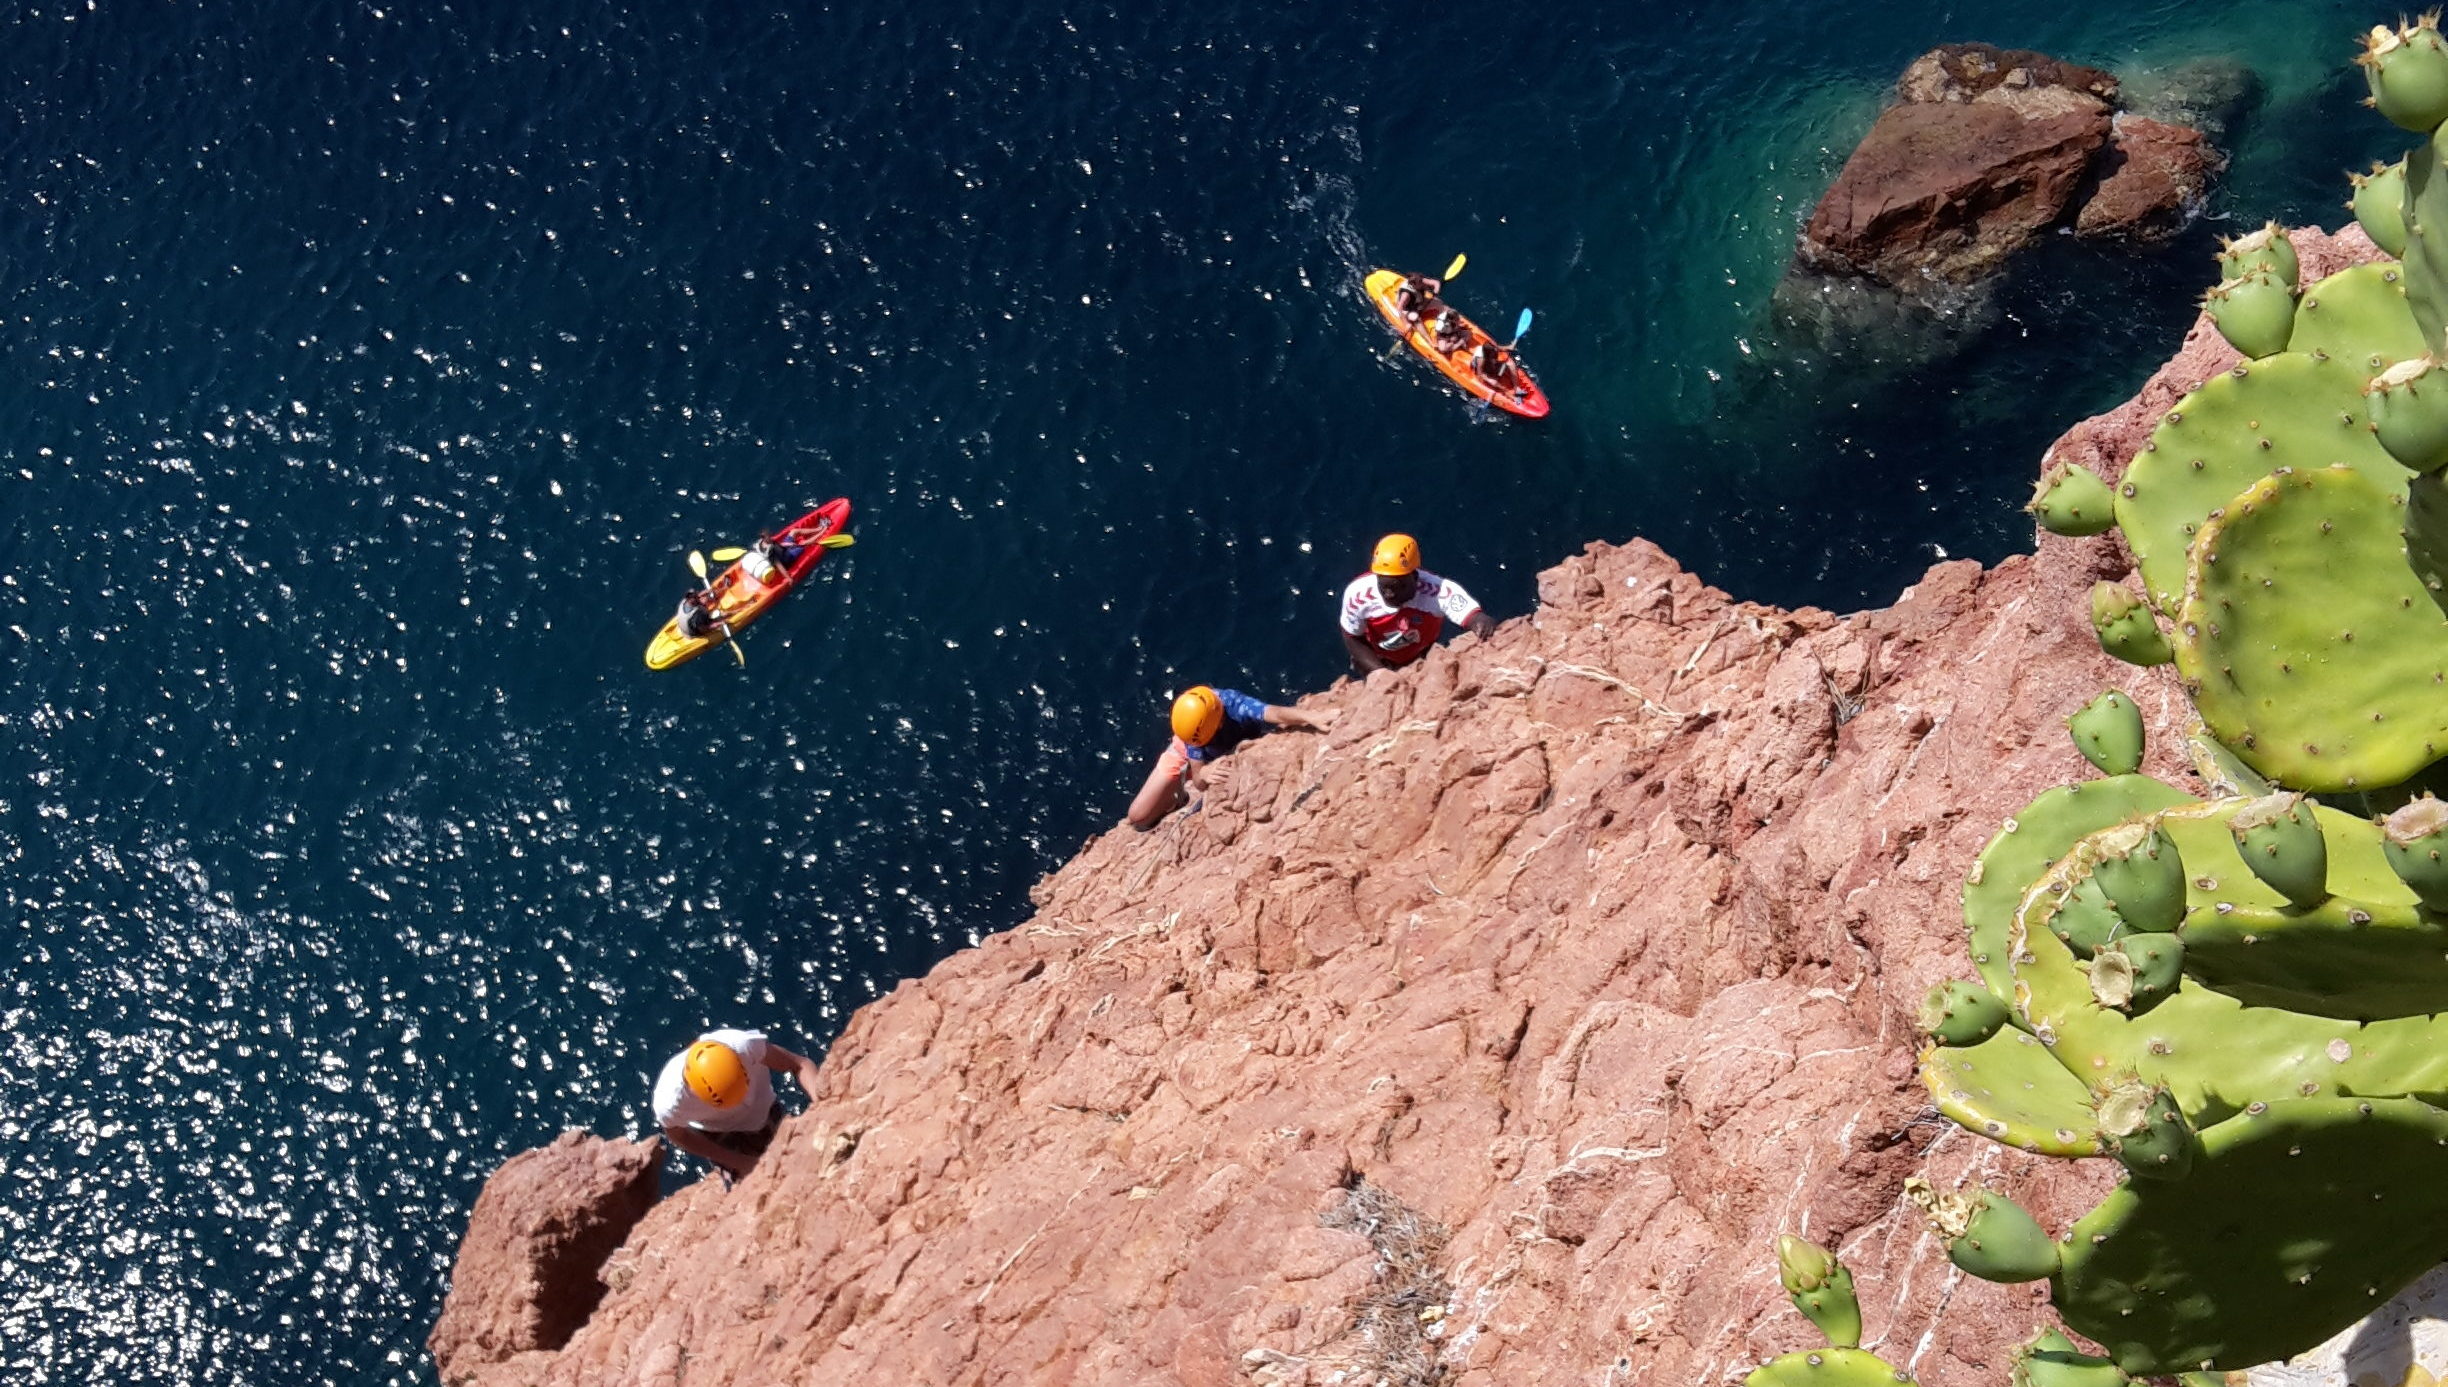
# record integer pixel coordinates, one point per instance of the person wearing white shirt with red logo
(1396, 610)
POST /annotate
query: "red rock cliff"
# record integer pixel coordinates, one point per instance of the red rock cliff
(1489, 1039)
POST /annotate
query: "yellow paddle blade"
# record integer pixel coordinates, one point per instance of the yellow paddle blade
(696, 563)
(728, 555)
(836, 541)
(1456, 267)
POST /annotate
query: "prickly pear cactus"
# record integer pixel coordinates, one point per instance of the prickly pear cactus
(2336, 1005)
(2244, 999)
(1823, 1291)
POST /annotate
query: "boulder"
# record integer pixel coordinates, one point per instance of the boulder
(2152, 179)
(1944, 192)
(529, 1270)
(2017, 77)
(1985, 149)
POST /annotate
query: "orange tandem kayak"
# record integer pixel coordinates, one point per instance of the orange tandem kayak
(1517, 395)
(740, 599)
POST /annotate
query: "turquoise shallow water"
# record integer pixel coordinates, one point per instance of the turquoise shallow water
(370, 370)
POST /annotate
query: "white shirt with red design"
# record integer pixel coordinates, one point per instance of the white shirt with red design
(1402, 634)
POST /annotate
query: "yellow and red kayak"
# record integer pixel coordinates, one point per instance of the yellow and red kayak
(1518, 394)
(740, 599)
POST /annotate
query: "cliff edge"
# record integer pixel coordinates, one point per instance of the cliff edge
(1489, 1039)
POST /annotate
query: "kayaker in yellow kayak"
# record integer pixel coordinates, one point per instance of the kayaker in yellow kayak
(1208, 722)
(696, 615)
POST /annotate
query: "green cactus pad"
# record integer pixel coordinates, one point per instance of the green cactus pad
(2009, 1089)
(2084, 918)
(2409, 411)
(2126, 628)
(2426, 250)
(2265, 249)
(2379, 204)
(2296, 1220)
(2280, 839)
(1991, 1236)
(2064, 1368)
(1827, 1367)
(2358, 316)
(2414, 841)
(1821, 1289)
(2108, 733)
(2289, 411)
(2407, 69)
(1961, 1013)
(2355, 960)
(2140, 868)
(2255, 312)
(2030, 843)
(2323, 673)
(2426, 534)
(2147, 1130)
(2072, 500)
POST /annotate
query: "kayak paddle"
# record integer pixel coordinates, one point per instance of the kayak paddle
(828, 542)
(1455, 268)
(697, 565)
(1520, 328)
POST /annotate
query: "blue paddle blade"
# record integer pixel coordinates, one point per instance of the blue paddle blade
(1522, 326)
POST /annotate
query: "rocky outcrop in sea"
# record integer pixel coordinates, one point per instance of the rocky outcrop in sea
(1986, 148)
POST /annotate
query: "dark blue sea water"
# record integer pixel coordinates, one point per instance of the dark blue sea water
(370, 367)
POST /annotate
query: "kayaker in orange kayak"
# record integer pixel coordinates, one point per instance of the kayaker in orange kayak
(1446, 338)
(1416, 295)
(1492, 364)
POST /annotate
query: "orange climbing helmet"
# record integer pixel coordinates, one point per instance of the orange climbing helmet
(1396, 556)
(715, 1073)
(1197, 715)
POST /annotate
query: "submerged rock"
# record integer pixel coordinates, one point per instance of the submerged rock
(2213, 94)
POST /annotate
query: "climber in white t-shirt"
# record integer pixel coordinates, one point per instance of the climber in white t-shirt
(716, 1099)
(1394, 612)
